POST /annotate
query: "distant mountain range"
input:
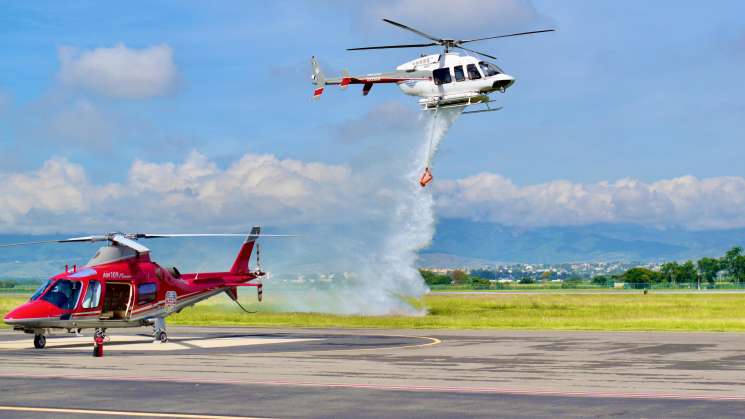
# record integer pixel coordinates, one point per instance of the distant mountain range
(457, 243)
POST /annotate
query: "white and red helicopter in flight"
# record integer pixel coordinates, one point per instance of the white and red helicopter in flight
(121, 286)
(444, 80)
(440, 80)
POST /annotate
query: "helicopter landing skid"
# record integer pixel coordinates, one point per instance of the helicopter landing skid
(488, 109)
(463, 105)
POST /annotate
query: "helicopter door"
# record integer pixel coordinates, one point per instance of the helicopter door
(92, 299)
(442, 76)
(117, 301)
(473, 72)
(459, 75)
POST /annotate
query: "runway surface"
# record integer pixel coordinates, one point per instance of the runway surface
(256, 372)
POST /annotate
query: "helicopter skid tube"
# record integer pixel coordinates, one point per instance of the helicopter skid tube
(452, 102)
(488, 109)
(483, 110)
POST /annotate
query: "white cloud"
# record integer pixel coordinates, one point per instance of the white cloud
(263, 188)
(257, 188)
(120, 71)
(58, 187)
(686, 201)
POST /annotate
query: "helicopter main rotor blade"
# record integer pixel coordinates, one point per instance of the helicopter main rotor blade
(505, 36)
(395, 46)
(71, 240)
(476, 52)
(164, 236)
(129, 240)
(420, 33)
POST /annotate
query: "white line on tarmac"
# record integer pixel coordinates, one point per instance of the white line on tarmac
(116, 413)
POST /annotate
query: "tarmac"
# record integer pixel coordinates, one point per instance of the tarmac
(267, 372)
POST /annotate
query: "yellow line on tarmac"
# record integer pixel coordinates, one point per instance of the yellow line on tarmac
(116, 413)
(432, 342)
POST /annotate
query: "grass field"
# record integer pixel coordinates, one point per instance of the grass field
(681, 312)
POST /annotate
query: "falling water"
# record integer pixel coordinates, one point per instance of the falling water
(370, 267)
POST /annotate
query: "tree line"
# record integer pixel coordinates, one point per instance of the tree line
(7, 283)
(456, 277)
(730, 267)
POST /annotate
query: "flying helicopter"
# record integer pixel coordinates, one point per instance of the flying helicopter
(121, 286)
(440, 80)
(447, 80)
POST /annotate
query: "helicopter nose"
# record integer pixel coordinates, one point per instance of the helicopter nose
(32, 311)
(503, 83)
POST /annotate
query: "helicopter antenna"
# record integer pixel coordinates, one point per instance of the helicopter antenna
(244, 309)
(448, 44)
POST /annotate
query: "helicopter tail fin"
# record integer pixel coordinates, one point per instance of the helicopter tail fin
(345, 79)
(318, 78)
(240, 266)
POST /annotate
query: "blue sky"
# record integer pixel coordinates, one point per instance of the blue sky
(644, 90)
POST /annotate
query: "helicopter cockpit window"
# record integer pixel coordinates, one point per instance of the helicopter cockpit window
(442, 76)
(40, 290)
(64, 294)
(489, 69)
(473, 72)
(93, 295)
(459, 75)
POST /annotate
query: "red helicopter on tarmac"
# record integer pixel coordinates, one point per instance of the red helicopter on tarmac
(122, 287)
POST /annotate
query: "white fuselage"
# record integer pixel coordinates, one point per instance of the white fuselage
(454, 75)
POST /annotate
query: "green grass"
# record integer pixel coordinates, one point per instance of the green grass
(9, 302)
(690, 312)
(673, 312)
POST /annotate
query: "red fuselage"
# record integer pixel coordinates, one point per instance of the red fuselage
(125, 293)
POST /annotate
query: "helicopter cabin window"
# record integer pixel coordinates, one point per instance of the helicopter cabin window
(489, 69)
(63, 294)
(459, 75)
(473, 72)
(92, 295)
(146, 293)
(442, 76)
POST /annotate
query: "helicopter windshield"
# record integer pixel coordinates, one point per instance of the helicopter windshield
(63, 294)
(489, 69)
(40, 290)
